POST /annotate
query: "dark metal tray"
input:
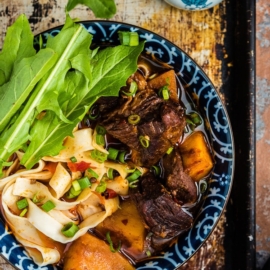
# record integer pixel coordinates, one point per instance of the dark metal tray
(239, 91)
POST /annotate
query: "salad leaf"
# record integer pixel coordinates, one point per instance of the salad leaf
(101, 8)
(72, 38)
(26, 73)
(110, 69)
(18, 44)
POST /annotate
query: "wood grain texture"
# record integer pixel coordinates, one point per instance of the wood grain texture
(200, 34)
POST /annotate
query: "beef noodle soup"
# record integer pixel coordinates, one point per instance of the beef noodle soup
(125, 187)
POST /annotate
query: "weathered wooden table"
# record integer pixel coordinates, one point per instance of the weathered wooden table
(200, 34)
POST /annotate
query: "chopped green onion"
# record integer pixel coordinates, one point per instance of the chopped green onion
(93, 113)
(131, 170)
(101, 187)
(76, 185)
(110, 173)
(113, 153)
(70, 229)
(100, 139)
(148, 253)
(144, 141)
(92, 173)
(134, 119)
(164, 92)
(132, 89)
(133, 184)
(84, 182)
(48, 206)
(157, 170)
(128, 38)
(100, 130)
(169, 150)
(37, 199)
(202, 186)
(121, 156)
(21, 204)
(73, 159)
(72, 193)
(24, 211)
(108, 237)
(98, 156)
(134, 176)
(195, 119)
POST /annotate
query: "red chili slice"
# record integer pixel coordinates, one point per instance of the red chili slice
(78, 166)
(109, 194)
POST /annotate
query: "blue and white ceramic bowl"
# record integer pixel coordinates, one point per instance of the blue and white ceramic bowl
(193, 4)
(216, 197)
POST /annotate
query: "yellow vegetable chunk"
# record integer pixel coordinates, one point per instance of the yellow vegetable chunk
(166, 78)
(89, 252)
(196, 156)
(126, 225)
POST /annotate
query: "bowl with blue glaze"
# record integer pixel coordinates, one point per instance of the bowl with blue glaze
(196, 82)
(193, 4)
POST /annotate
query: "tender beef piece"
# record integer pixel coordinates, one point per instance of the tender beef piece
(180, 184)
(107, 104)
(165, 218)
(122, 130)
(161, 121)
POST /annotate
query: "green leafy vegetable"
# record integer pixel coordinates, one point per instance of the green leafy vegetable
(62, 81)
(110, 69)
(101, 8)
(18, 45)
(26, 73)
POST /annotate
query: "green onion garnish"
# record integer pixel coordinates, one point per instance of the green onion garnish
(121, 156)
(148, 253)
(76, 185)
(72, 193)
(144, 141)
(92, 173)
(108, 237)
(132, 89)
(113, 153)
(84, 182)
(133, 184)
(100, 139)
(110, 173)
(101, 187)
(70, 229)
(37, 199)
(93, 113)
(21, 204)
(164, 92)
(128, 38)
(134, 119)
(100, 130)
(169, 150)
(73, 159)
(157, 170)
(134, 176)
(24, 211)
(48, 206)
(195, 118)
(98, 156)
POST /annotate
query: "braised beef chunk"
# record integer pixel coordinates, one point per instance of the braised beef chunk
(164, 217)
(180, 184)
(161, 122)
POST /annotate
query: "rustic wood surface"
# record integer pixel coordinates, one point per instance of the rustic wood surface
(197, 33)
